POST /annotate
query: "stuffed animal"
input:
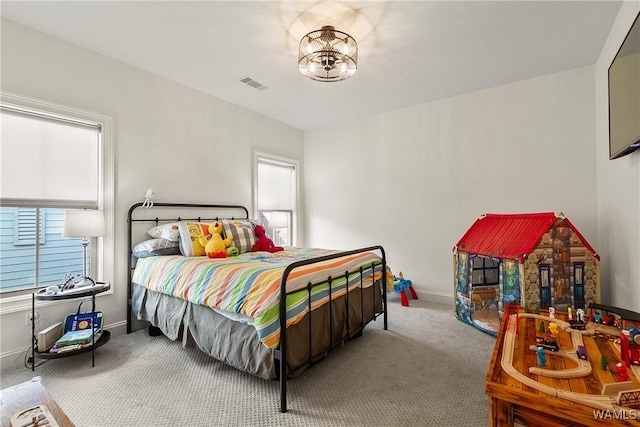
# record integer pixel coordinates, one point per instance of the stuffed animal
(214, 245)
(264, 243)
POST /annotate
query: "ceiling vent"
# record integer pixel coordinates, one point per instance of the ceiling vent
(254, 84)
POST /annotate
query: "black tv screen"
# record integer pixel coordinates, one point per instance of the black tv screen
(624, 96)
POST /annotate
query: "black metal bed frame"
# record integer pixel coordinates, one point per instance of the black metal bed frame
(280, 353)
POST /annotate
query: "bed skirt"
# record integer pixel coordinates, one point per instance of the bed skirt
(237, 344)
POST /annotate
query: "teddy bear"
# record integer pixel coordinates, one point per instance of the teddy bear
(214, 245)
(264, 243)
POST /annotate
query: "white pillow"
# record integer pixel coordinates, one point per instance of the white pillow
(166, 231)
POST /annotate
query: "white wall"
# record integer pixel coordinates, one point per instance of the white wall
(187, 146)
(618, 186)
(414, 180)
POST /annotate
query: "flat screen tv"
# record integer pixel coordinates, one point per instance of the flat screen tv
(624, 96)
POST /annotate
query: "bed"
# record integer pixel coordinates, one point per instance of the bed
(272, 315)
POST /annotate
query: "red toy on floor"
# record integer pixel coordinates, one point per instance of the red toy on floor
(401, 284)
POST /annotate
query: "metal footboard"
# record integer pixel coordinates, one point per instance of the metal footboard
(281, 352)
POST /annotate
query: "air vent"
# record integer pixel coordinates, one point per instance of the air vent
(254, 84)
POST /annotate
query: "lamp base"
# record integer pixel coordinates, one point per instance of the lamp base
(87, 281)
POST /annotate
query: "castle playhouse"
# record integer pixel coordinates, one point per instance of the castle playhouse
(531, 259)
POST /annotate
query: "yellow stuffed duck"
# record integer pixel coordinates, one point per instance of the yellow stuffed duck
(214, 245)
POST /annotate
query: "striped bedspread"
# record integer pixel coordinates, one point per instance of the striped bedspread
(249, 284)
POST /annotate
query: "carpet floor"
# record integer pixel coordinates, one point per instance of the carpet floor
(428, 369)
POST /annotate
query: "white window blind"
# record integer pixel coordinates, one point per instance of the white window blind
(48, 163)
(276, 186)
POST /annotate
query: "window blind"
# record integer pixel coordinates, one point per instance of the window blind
(48, 161)
(276, 186)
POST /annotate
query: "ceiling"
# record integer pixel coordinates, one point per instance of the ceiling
(410, 52)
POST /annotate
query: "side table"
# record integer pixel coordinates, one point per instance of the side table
(42, 294)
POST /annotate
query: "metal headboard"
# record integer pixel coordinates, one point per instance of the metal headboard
(131, 219)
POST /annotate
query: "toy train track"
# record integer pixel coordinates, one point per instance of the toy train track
(583, 367)
(595, 401)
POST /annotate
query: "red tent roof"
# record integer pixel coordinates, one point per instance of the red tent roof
(510, 236)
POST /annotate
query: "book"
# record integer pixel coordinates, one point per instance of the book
(48, 336)
(83, 321)
(68, 348)
(82, 337)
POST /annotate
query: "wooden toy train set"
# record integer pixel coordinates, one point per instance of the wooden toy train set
(614, 327)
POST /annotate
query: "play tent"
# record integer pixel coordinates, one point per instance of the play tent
(531, 259)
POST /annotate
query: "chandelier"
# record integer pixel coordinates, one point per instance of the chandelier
(328, 55)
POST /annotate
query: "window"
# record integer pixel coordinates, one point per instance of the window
(24, 226)
(485, 271)
(52, 158)
(276, 182)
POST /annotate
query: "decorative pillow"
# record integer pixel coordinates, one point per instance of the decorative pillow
(242, 231)
(165, 231)
(190, 233)
(156, 247)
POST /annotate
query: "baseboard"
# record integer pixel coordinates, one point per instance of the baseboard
(437, 297)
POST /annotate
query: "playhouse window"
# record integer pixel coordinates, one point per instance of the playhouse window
(485, 271)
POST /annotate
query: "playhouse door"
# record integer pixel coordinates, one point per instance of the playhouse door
(545, 288)
(578, 285)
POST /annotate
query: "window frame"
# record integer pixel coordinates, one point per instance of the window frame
(102, 255)
(295, 238)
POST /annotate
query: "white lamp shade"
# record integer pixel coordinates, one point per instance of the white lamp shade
(83, 223)
(279, 219)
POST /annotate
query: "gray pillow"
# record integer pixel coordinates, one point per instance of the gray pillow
(156, 247)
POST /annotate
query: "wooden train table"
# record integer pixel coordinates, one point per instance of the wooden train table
(567, 390)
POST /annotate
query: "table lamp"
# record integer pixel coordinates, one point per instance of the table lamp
(84, 224)
(278, 221)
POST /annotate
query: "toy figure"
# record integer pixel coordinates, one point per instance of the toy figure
(552, 312)
(542, 328)
(542, 358)
(214, 245)
(553, 328)
(580, 315)
(264, 243)
(569, 313)
(622, 372)
(603, 362)
(538, 310)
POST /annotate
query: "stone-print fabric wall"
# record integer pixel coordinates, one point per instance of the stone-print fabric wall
(578, 253)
